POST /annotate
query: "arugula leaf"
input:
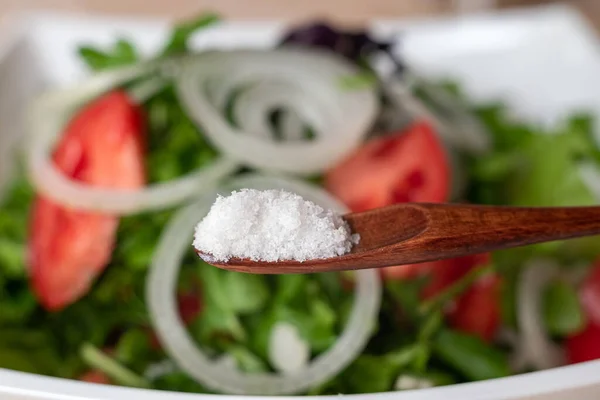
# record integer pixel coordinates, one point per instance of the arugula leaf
(246, 293)
(178, 42)
(562, 311)
(371, 374)
(215, 321)
(422, 357)
(175, 145)
(289, 286)
(261, 325)
(14, 212)
(315, 324)
(550, 177)
(246, 360)
(122, 53)
(406, 295)
(19, 361)
(96, 359)
(12, 258)
(218, 315)
(302, 301)
(535, 166)
(509, 264)
(359, 81)
(28, 350)
(472, 357)
(18, 302)
(331, 284)
(236, 292)
(133, 346)
(431, 326)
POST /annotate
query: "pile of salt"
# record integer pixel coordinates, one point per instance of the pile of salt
(271, 225)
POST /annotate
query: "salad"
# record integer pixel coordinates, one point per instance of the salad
(95, 241)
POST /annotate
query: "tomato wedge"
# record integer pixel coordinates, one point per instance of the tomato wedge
(590, 294)
(190, 306)
(67, 248)
(407, 166)
(585, 346)
(477, 311)
(443, 273)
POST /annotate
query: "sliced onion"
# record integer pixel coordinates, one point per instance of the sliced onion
(48, 117)
(509, 337)
(534, 347)
(457, 125)
(461, 126)
(306, 83)
(458, 175)
(161, 287)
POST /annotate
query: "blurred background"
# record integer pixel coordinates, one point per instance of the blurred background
(342, 10)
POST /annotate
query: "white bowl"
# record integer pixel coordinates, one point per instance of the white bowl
(543, 61)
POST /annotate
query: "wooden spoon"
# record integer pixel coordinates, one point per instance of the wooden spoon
(412, 233)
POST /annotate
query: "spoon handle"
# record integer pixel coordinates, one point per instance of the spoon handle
(454, 229)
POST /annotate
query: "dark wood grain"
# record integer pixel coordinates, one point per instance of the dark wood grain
(414, 233)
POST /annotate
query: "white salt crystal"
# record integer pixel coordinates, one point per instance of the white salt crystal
(271, 225)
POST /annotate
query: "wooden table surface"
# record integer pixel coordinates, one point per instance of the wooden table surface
(343, 11)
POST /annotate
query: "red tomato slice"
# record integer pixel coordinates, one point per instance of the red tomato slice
(102, 146)
(95, 376)
(409, 166)
(477, 311)
(584, 346)
(443, 273)
(190, 306)
(412, 166)
(590, 294)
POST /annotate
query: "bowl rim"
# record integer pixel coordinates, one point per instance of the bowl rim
(23, 385)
